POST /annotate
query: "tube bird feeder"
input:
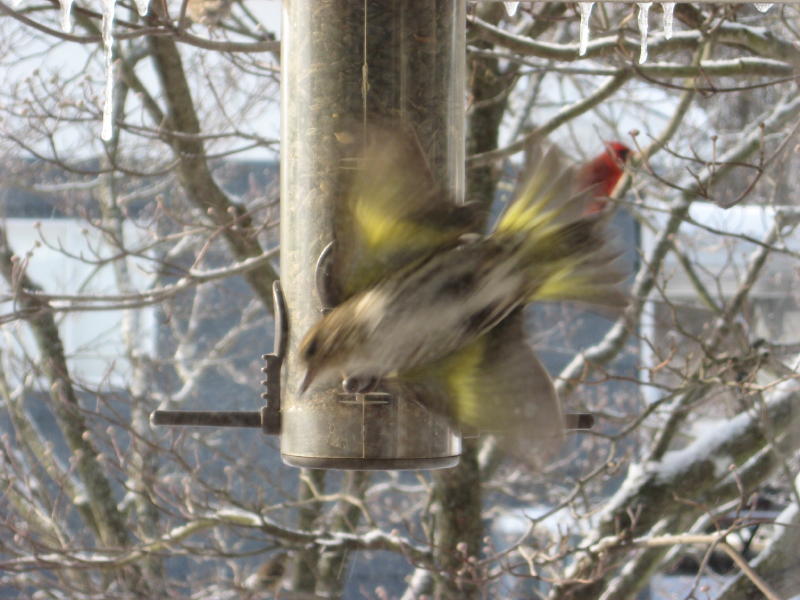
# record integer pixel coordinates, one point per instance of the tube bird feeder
(359, 62)
(347, 65)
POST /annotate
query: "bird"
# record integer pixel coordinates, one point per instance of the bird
(602, 173)
(434, 304)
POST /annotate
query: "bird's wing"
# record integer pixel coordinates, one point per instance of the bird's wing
(565, 251)
(392, 212)
(497, 385)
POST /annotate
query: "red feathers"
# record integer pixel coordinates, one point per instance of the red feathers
(604, 171)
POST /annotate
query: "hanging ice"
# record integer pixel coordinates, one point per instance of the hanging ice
(644, 12)
(669, 9)
(586, 12)
(142, 6)
(108, 24)
(108, 46)
(66, 16)
(763, 6)
(511, 8)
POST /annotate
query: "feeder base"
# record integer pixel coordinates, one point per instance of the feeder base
(370, 464)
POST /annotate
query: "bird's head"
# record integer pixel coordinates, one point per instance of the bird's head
(618, 151)
(329, 344)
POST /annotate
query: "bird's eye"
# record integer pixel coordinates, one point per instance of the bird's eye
(311, 348)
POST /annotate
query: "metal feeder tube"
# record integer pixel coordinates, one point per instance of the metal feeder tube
(360, 62)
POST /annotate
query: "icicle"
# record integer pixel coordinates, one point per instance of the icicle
(108, 43)
(586, 12)
(644, 11)
(511, 8)
(108, 24)
(669, 9)
(66, 16)
(762, 6)
(142, 6)
(108, 102)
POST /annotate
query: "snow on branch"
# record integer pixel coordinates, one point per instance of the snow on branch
(650, 490)
(757, 39)
(609, 347)
(229, 516)
(193, 277)
(777, 563)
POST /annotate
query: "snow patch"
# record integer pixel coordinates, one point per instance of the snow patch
(705, 448)
(637, 476)
(374, 536)
(238, 515)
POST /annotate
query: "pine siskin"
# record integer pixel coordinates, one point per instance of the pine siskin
(428, 305)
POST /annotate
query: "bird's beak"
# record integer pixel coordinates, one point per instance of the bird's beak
(311, 374)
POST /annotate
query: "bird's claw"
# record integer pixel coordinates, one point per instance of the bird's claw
(359, 385)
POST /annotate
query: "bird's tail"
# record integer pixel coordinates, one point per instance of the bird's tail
(497, 385)
(566, 251)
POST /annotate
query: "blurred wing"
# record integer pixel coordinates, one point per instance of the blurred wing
(566, 250)
(498, 385)
(393, 212)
